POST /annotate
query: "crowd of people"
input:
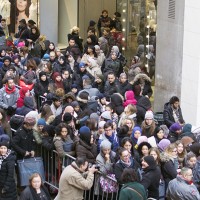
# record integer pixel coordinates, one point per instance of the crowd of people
(97, 109)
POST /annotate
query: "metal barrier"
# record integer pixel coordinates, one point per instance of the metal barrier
(54, 165)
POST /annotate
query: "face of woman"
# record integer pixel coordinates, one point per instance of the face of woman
(1, 116)
(154, 154)
(192, 161)
(65, 75)
(160, 134)
(174, 153)
(51, 46)
(114, 56)
(129, 123)
(43, 78)
(3, 53)
(149, 121)
(3, 150)
(64, 132)
(33, 31)
(58, 78)
(61, 61)
(125, 157)
(145, 150)
(137, 134)
(21, 5)
(128, 146)
(180, 148)
(36, 182)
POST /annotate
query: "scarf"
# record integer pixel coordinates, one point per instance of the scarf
(2, 158)
(10, 90)
(127, 165)
(113, 140)
(34, 193)
(175, 114)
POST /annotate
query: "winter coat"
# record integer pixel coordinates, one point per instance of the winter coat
(28, 195)
(180, 189)
(125, 87)
(23, 33)
(151, 180)
(29, 77)
(90, 90)
(87, 151)
(7, 181)
(7, 100)
(143, 104)
(111, 88)
(132, 190)
(110, 65)
(72, 183)
(148, 130)
(23, 141)
(64, 146)
(120, 166)
(167, 167)
(28, 106)
(146, 86)
(168, 115)
(41, 87)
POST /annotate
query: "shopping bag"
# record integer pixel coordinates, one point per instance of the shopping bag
(29, 166)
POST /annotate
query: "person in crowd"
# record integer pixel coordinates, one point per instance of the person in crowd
(117, 101)
(104, 21)
(8, 97)
(109, 135)
(175, 131)
(23, 141)
(47, 68)
(29, 105)
(63, 142)
(129, 112)
(41, 87)
(169, 163)
(181, 153)
(51, 48)
(99, 83)
(128, 122)
(100, 55)
(11, 73)
(129, 98)
(37, 131)
(36, 189)
(74, 49)
(90, 41)
(7, 165)
(60, 65)
(163, 144)
(182, 187)
(75, 35)
(143, 149)
(85, 147)
(148, 125)
(56, 106)
(67, 80)
(4, 123)
(103, 44)
(125, 86)
(136, 133)
(125, 161)
(33, 37)
(145, 83)
(111, 64)
(57, 82)
(151, 176)
(112, 85)
(172, 112)
(72, 183)
(131, 189)
(158, 134)
(4, 26)
(23, 92)
(23, 31)
(47, 114)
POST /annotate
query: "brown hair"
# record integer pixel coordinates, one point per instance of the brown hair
(46, 112)
(157, 152)
(170, 148)
(31, 64)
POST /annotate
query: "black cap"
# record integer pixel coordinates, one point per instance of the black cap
(31, 22)
(23, 21)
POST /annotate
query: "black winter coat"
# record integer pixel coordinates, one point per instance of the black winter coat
(23, 141)
(151, 181)
(168, 115)
(125, 87)
(7, 181)
(111, 88)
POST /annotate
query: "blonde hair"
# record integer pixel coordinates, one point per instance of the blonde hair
(124, 121)
(74, 29)
(170, 148)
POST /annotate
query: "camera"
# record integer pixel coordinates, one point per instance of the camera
(97, 166)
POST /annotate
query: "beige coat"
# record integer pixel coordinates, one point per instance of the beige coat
(72, 184)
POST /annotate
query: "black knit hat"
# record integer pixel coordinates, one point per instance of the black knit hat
(67, 117)
(7, 58)
(195, 148)
(85, 134)
(150, 161)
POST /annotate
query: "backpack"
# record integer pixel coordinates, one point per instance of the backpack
(16, 121)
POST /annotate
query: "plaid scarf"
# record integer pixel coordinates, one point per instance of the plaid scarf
(3, 157)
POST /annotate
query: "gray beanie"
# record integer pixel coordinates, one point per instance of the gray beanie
(105, 144)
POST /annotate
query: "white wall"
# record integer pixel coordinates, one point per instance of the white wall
(190, 88)
(68, 13)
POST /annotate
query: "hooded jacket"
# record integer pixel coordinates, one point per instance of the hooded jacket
(130, 98)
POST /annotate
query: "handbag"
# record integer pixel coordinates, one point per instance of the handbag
(23, 84)
(108, 185)
(29, 166)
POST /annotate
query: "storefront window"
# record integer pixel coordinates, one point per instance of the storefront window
(139, 28)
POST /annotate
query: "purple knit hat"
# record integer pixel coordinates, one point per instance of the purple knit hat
(175, 127)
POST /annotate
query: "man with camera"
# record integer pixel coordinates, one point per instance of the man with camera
(75, 178)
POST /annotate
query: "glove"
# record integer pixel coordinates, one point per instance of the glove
(10, 110)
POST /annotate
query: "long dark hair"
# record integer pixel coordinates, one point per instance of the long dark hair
(26, 10)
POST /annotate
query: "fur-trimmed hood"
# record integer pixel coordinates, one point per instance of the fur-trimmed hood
(164, 157)
(141, 76)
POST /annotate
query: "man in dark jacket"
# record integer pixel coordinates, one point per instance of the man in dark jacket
(23, 32)
(23, 142)
(172, 112)
(112, 85)
(151, 176)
